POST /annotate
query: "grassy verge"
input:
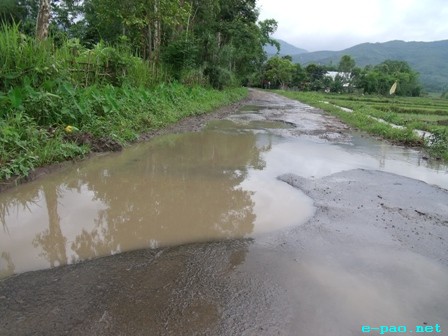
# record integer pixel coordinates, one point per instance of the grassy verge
(117, 115)
(106, 96)
(411, 113)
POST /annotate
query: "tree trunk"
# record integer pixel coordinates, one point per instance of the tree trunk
(148, 45)
(43, 20)
(157, 31)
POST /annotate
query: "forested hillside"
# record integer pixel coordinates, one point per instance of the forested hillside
(427, 58)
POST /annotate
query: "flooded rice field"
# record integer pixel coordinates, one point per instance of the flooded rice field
(273, 220)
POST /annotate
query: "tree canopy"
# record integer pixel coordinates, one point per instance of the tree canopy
(219, 39)
(380, 78)
(219, 42)
(346, 77)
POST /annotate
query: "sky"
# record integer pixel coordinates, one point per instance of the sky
(339, 24)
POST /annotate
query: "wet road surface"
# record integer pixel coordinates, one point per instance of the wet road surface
(275, 221)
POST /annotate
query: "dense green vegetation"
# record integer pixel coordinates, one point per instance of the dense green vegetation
(282, 72)
(95, 74)
(427, 58)
(426, 114)
(106, 71)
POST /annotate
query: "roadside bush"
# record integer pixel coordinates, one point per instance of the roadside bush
(218, 77)
(105, 93)
(24, 146)
(24, 60)
(438, 143)
(179, 56)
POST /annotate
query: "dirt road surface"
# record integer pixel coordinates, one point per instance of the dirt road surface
(374, 254)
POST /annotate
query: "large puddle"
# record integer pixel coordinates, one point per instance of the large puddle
(217, 184)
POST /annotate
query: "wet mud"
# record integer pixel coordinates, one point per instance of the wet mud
(198, 289)
(102, 144)
(396, 210)
(372, 251)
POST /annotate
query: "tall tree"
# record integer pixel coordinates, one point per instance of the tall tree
(43, 20)
(346, 64)
(267, 28)
(316, 76)
(380, 78)
(279, 71)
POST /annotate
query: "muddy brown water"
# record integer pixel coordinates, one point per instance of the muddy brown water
(176, 189)
(216, 184)
(250, 254)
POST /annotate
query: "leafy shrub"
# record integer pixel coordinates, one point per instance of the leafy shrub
(438, 143)
(218, 77)
(179, 56)
(106, 93)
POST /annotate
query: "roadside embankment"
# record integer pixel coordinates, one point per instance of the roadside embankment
(61, 100)
(107, 119)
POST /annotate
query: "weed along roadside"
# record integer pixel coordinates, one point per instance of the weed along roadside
(413, 122)
(134, 114)
(131, 115)
(62, 104)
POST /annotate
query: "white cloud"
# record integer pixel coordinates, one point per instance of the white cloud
(335, 25)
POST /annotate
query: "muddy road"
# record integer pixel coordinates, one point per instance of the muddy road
(271, 219)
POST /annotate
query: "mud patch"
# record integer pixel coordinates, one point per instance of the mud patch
(248, 123)
(412, 212)
(101, 144)
(177, 291)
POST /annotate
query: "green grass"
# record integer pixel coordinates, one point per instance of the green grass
(105, 93)
(427, 114)
(121, 114)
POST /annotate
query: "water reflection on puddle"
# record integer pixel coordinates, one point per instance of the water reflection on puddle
(173, 190)
(335, 290)
(217, 184)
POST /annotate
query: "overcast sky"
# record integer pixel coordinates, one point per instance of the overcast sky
(339, 24)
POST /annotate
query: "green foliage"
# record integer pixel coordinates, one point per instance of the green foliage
(315, 80)
(299, 77)
(267, 28)
(25, 145)
(438, 143)
(109, 112)
(179, 56)
(177, 39)
(346, 64)
(218, 77)
(23, 59)
(112, 70)
(380, 78)
(279, 71)
(370, 80)
(427, 58)
(106, 93)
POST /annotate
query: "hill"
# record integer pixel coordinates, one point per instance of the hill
(285, 49)
(427, 58)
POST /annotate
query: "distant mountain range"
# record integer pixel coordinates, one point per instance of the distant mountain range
(430, 59)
